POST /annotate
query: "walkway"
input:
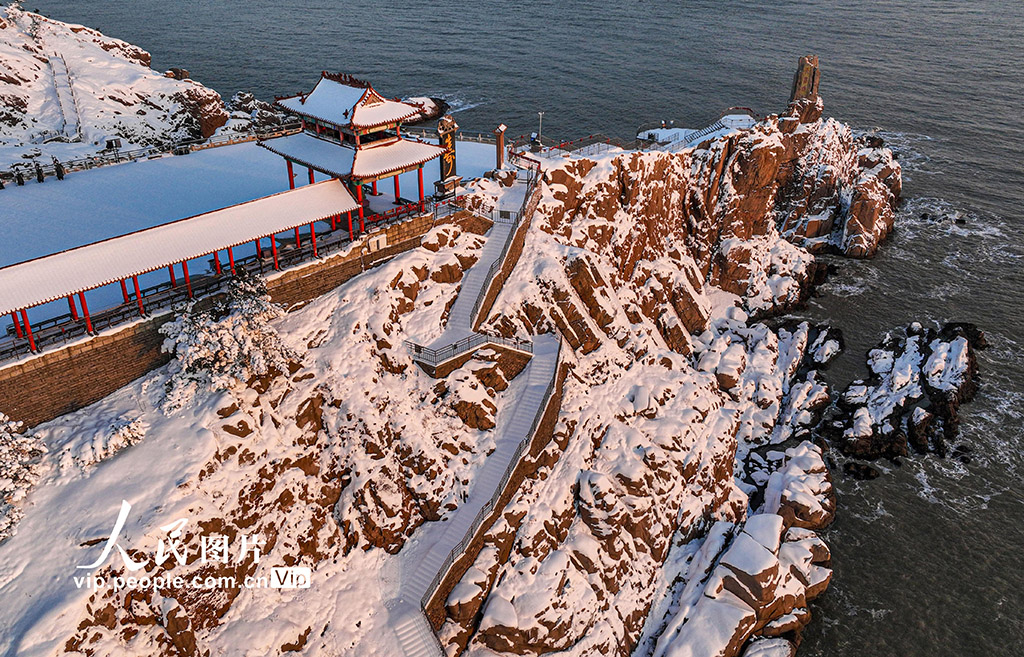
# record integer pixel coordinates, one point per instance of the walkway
(72, 130)
(426, 560)
(424, 566)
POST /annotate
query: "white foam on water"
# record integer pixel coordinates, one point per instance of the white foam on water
(907, 146)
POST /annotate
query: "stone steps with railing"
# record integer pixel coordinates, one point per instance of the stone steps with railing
(429, 565)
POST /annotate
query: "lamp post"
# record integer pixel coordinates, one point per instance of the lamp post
(540, 126)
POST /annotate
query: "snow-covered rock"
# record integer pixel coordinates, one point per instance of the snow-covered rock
(918, 379)
(113, 93)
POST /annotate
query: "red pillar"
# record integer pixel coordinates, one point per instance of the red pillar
(170, 268)
(350, 225)
(398, 191)
(312, 237)
(259, 251)
(311, 180)
(28, 331)
(85, 312)
(374, 187)
(231, 260)
(420, 173)
(124, 295)
(334, 222)
(188, 283)
(17, 325)
(273, 248)
(291, 175)
(298, 240)
(216, 262)
(71, 305)
(359, 200)
(138, 295)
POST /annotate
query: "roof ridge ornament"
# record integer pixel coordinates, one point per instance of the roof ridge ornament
(346, 79)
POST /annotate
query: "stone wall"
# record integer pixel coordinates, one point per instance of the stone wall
(61, 381)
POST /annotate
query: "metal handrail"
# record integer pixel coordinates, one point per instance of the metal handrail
(435, 357)
(488, 506)
(176, 148)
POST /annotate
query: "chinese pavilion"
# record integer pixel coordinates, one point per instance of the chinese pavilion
(351, 132)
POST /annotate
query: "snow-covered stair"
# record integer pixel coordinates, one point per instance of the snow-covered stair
(477, 279)
(72, 130)
(425, 565)
(413, 630)
(431, 562)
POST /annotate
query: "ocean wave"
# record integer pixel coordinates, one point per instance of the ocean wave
(908, 149)
(457, 101)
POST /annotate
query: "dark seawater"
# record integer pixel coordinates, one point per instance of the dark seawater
(929, 559)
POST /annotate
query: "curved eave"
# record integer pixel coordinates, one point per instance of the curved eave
(369, 126)
(430, 152)
(306, 163)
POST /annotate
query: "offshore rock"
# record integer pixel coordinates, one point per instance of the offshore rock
(919, 377)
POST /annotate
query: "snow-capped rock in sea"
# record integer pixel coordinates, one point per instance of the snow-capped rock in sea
(918, 379)
(65, 89)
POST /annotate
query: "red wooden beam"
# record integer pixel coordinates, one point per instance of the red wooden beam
(398, 191)
(231, 260)
(291, 175)
(350, 238)
(374, 187)
(124, 295)
(85, 312)
(298, 240)
(138, 296)
(359, 193)
(273, 248)
(311, 180)
(259, 251)
(170, 268)
(216, 262)
(420, 172)
(312, 237)
(17, 325)
(334, 222)
(28, 331)
(71, 305)
(188, 283)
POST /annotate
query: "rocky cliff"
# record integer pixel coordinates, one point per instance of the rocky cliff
(674, 512)
(114, 90)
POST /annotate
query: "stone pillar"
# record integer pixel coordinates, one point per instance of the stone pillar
(805, 82)
(499, 154)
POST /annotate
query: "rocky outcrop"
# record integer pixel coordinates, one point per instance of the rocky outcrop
(918, 379)
(115, 91)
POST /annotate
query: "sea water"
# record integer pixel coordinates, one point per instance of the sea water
(928, 558)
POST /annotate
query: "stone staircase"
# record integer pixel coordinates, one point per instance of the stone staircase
(71, 129)
(424, 566)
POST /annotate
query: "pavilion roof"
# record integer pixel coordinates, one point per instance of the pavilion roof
(344, 101)
(373, 160)
(52, 277)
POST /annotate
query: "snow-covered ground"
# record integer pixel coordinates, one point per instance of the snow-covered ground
(357, 435)
(66, 88)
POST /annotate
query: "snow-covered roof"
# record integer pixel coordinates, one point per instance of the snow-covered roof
(372, 160)
(325, 156)
(348, 104)
(382, 157)
(52, 277)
